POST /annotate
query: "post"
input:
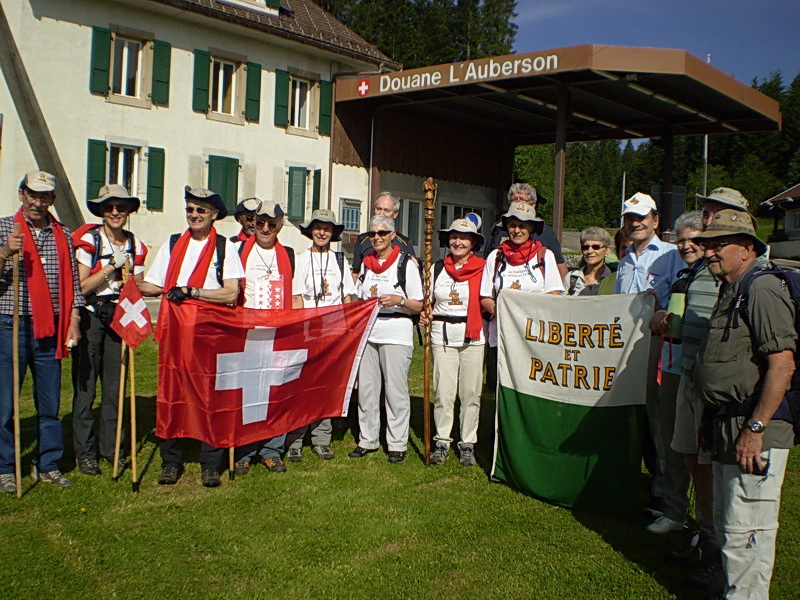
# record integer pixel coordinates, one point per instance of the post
(132, 375)
(429, 187)
(15, 365)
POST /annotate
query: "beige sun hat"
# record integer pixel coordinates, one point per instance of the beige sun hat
(462, 226)
(729, 222)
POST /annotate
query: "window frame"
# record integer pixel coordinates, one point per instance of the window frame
(133, 188)
(144, 78)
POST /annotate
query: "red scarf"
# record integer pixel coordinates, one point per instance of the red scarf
(519, 254)
(242, 237)
(44, 317)
(471, 272)
(198, 276)
(371, 260)
(284, 268)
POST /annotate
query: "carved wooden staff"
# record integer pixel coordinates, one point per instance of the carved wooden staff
(429, 187)
(121, 394)
(15, 365)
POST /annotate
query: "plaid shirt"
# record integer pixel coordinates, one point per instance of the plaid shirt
(46, 246)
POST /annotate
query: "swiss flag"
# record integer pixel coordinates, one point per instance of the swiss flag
(230, 376)
(131, 317)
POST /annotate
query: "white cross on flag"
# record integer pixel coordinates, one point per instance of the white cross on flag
(131, 317)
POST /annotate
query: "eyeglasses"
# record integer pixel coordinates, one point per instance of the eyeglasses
(381, 232)
(712, 245)
(198, 209)
(586, 247)
(121, 207)
(684, 241)
(42, 197)
(272, 226)
(248, 218)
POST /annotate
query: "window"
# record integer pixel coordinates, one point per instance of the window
(796, 219)
(299, 103)
(226, 89)
(303, 103)
(223, 178)
(223, 86)
(351, 214)
(126, 68)
(120, 163)
(408, 222)
(123, 166)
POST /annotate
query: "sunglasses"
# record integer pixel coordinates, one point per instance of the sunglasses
(270, 226)
(586, 247)
(381, 232)
(713, 246)
(197, 209)
(121, 207)
(248, 218)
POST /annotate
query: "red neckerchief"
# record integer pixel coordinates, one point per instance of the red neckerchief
(242, 237)
(471, 272)
(44, 321)
(519, 254)
(371, 260)
(284, 268)
(198, 276)
(87, 246)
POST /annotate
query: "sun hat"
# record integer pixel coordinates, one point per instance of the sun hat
(729, 222)
(110, 192)
(461, 226)
(726, 196)
(521, 211)
(323, 215)
(205, 195)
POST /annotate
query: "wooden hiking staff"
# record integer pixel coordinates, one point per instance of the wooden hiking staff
(15, 366)
(132, 375)
(121, 393)
(231, 474)
(429, 187)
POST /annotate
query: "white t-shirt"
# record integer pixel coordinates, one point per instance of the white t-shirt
(451, 299)
(324, 284)
(526, 277)
(231, 269)
(263, 287)
(391, 330)
(86, 259)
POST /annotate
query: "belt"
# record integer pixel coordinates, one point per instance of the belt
(448, 319)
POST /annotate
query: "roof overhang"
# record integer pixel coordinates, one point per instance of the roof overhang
(612, 92)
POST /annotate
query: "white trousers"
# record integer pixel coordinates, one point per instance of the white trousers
(746, 511)
(457, 370)
(393, 360)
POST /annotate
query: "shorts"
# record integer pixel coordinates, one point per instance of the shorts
(688, 417)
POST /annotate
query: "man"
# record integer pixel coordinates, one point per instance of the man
(179, 269)
(386, 204)
(245, 214)
(49, 325)
(522, 192)
(743, 368)
(271, 282)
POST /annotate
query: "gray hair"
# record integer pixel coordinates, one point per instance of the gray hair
(523, 188)
(689, 220)
(395, 200)
(379, 220)
(598, 234)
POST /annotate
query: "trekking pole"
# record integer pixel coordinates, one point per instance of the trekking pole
(15, 366)
(429, 187)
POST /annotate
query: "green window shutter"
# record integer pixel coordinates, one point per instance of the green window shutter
(161, 63)
(223, 178)
(202, 79)
(297, 193)
(274, 3)
(252, 104)
(101, 60)
(325, 106)
(95, 168)
(316, 185)
(155, 178)
(281, 98)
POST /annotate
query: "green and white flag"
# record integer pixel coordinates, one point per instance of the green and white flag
(570, 401)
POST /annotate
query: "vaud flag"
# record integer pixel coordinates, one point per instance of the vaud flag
(572, 374)
(131, 317)
(230, 376)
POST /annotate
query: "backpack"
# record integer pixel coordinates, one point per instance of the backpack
(789, 408)
(173, 239)
(94, 229)
(500, 266)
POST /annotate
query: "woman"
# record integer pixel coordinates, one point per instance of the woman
(518, 263)
(585, 281)
(394, 278)
(457, 340)
(101, 251)
(328, 283)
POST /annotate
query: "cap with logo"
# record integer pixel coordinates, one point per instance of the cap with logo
(271, 209)
(247, 205)
(213, 198)
(38, 181)
(639, 204)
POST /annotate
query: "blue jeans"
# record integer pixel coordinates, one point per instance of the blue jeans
(40, 356)
(267, 449)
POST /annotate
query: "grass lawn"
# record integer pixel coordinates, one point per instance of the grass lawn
(332, 529)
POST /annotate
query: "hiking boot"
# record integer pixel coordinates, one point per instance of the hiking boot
(170, 474)
(664, 525)
(323, 451)
(274, 464)
(466, 455)
(439, 456)
(711, 579)
(242, 467)
(360, 452)
(701, 551)
(211, 478)
(121, 464)
(294, 455)
(396, 457)
(88, 466)
(8, 483)
(55, 478)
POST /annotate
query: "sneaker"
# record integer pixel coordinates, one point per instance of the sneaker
(664, 525)
(8, 483)
(323, 451)
(655, 509)
(360, 452)
(242, 467)
(170, 474)
(439, 456)
(211, 478)
(274, 464)
(466, 455)
(294, 455)
(55, 478)
(88, 466)
(396, 457)
(711, 579)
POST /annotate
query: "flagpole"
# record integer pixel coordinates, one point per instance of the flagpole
(121, 391)
(15, 365)
(429, 187)
(131, 374)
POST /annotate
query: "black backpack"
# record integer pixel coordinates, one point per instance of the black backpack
(173, 239)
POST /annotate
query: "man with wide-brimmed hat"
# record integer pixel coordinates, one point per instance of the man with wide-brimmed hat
(245, 215)
(102, 251)
(743, 368)
(50, 298)
(175, 272)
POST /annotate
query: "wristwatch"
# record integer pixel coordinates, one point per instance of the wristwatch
(195, 292)
(402, 302)
(755, 426)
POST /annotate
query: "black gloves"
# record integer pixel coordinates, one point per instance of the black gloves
(177, 294)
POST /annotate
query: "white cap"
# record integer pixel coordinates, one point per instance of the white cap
(639, 204)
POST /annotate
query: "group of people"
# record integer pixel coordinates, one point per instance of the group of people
(714, 390)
